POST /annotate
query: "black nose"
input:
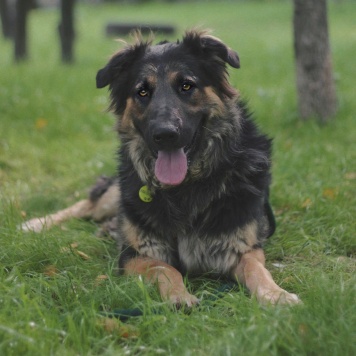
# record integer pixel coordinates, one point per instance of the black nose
(165, 137)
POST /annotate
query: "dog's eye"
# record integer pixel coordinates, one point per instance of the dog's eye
(143, 92)
(186, 86)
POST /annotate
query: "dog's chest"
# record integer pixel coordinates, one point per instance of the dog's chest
(220, 255)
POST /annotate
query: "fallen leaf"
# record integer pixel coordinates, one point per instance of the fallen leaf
(307, 203)
(303, 329)
(100, 279)
(50, 270)
(278, 265)
(83, 255)
(71, 247)
(128, 332)
(64, 250)
(346, 260)
(329, 193)
(281, 210)
(350, 175)
(288, 279)
(109, 325)
(114, 326)
(41, 123)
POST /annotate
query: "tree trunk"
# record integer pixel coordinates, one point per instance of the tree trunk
(21, 29)
(6, 20)
(66, 30)
(315, 84)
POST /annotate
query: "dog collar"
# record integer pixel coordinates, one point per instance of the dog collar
(145, 194)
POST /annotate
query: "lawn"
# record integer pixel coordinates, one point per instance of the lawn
(56, 138)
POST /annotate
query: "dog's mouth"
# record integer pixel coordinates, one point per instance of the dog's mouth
(171, 166)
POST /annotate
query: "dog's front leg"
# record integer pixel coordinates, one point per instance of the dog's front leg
(169, 280)
(252, 272)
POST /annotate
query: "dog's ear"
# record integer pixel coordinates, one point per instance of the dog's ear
(120, 62)
(117, 63)
(228, 55)
(103, 77)
(203, 43)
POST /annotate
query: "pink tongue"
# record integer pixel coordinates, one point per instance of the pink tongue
(171, 167)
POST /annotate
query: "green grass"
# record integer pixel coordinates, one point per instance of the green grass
(55, 139)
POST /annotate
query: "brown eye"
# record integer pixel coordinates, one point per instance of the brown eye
(143, 93)
(186, 86)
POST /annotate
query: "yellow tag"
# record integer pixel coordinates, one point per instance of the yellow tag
(145, 194)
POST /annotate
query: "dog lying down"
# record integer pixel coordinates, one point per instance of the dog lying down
(192, 191)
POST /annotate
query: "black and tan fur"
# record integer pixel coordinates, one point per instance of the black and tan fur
(174, 100)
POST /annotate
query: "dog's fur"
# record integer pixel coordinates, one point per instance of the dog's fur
(188, 138)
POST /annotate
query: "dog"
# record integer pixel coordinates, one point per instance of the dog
(192, 192)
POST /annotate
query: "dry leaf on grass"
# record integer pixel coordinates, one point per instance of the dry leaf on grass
(100, 279)
(50, 270)
(114, 326)
(329, 193)
(41, 123)
(350, 175)
(73, 247)
(83, 255)
(307, 203)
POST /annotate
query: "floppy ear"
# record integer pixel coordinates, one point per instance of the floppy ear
(205, 44)
(213, 44)
(103, 77)
(120, 62)
(117, 63)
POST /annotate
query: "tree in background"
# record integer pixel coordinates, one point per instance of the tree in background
(66, 30)
(14, 15)
(315, 84)
(5, 19)
(20, 33)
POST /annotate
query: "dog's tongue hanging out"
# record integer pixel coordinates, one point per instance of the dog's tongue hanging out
(171, 167)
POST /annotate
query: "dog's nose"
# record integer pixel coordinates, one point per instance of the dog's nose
(165, 137)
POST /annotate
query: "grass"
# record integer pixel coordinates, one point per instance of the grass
(56, 138)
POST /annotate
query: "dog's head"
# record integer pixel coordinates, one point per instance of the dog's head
(164, 95)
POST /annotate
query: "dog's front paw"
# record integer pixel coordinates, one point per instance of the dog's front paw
(277, 297)
(184, 299)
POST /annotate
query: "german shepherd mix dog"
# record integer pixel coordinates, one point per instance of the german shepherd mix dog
(194, 173)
